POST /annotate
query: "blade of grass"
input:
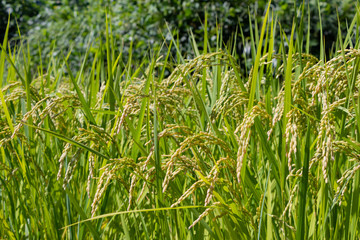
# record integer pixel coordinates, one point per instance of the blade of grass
(254, 81)
(84, 104)
(68, 140)
(2, 67)
(305, 154)
(263, 203)
(257, 62)
(109, 65)
(133, 211)
(74, 203)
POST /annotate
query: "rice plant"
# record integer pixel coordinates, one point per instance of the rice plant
(174, 148)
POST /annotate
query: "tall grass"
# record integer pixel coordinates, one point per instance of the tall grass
(174, 148)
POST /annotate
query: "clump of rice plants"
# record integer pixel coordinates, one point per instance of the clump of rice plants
(175, 149)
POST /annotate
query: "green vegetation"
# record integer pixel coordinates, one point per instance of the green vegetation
(168, 147)
(57, 26)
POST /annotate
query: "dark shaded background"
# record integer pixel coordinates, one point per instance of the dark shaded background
(60, 25)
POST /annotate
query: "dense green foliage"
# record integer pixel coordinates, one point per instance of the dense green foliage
(23, 11)
(57, 26)
(174, 147)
